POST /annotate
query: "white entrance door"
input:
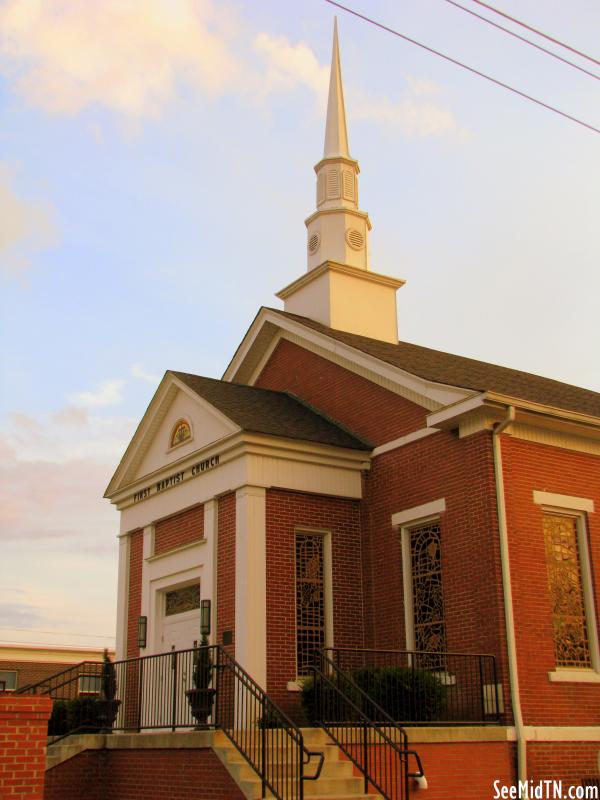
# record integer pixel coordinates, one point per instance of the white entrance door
(180, 631)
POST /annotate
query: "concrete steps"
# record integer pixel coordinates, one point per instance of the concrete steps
(336, 782)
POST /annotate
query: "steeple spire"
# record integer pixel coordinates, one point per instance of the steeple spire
(336, 134)
(339, 289)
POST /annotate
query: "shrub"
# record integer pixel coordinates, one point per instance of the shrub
(82, 715)
(407, 695)
(57, 724)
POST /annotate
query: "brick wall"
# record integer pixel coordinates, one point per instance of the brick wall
(134, 600)
(141, 775)
(565, 761)
(178, 530)
(364, 407)
(23, 730)
(34, 671)
(529, 466)
(465, 770)
(460, 471)
(226, 568)
(285, 511)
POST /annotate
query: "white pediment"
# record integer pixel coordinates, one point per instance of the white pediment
(151, 448)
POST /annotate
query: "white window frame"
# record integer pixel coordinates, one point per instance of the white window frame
(325, 534)
(404, 521)
(577, 508)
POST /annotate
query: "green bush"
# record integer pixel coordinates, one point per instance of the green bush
(406, 695)
(57, 724)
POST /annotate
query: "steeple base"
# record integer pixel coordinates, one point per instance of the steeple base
(346, 298)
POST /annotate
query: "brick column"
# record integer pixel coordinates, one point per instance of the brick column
(23, 732)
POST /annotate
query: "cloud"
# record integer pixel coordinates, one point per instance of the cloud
(126, 55)
(24, 228)
(19, 615)
(414, 112)
(107, 394)
(289, 66)
(137, 370)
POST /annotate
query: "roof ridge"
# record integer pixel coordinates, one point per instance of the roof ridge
(332, 420)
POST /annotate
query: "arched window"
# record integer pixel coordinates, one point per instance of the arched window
(181, 432)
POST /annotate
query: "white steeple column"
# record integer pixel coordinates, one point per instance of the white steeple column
(339, 289)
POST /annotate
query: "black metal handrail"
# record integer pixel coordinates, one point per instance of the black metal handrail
(199, 688)
(368, 736)
(425, 687)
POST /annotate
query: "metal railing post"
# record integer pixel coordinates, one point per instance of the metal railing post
(366, 755)
(263, 747)
(140, 690)
(174, 692)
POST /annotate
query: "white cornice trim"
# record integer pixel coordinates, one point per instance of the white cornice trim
(394, 444)
(235, 446)
(344, 269)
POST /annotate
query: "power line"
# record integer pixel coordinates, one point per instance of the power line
(523, 39)
(535, 30)
(464, 66)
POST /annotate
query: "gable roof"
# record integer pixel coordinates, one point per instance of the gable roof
(273, 413)
(468, 373)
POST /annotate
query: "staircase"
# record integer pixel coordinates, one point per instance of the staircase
(337, 780)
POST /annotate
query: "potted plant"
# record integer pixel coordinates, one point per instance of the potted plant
(201, 697)
(108, 705)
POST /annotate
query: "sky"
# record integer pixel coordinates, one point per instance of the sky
(156, 168)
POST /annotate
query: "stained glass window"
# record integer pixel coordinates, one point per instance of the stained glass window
(310, 599)
(428, 602)
(185, 599)
(181, 432)
(571, 643)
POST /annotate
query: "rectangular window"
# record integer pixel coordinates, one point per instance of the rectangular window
(8, 681)
(178, 601)
(89, 684)
(571, 640)
(429, 624)
(310, 599)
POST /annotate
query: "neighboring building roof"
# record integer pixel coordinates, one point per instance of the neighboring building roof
(273, 413)
(435, 365)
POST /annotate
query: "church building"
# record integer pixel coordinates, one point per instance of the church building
(339, 488)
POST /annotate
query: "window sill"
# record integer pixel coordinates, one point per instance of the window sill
(574, 676)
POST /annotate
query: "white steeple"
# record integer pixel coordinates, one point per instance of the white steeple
(339, 289)
(336, 134)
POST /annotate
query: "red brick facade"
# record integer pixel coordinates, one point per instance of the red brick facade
(226, 568)
(141, 775)
(286, 512)
(179, 530)
(134, 600)
(367, 409)
(565, 761)
(23, 729)
(529, 466)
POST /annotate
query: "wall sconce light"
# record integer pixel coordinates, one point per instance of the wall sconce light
(205, 617)
(142, 631)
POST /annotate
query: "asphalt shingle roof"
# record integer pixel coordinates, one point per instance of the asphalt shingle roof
(435, 365)
(273, 413)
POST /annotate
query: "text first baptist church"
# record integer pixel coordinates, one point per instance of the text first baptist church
(430, 501)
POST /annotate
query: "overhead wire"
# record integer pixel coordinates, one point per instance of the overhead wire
(535, 30)
(458, 63)
(523, 39)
